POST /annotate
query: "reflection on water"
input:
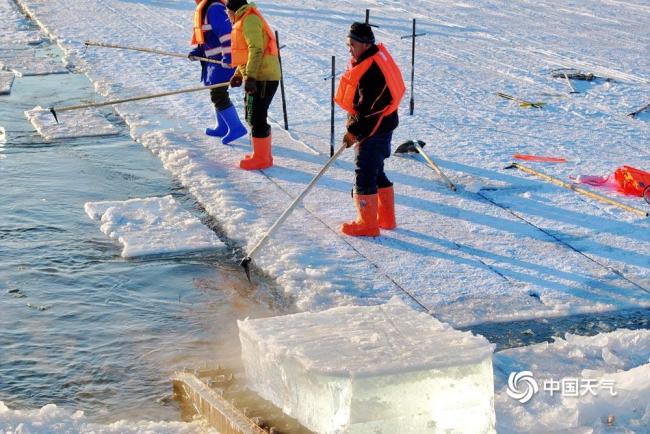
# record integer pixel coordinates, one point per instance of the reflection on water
(79, 326)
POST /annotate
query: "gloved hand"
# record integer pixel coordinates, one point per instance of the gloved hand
(250, 85)
(349, 139)
(196, 52)
(236, 80)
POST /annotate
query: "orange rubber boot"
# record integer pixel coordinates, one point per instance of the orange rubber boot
(366, 223)
(386, 208)
(261, 157)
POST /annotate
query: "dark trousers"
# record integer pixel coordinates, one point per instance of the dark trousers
(369, 173)
(220, 98)
(257, 108)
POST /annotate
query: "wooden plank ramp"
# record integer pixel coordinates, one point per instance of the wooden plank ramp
(228, 406)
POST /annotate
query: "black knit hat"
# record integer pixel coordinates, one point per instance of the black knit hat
(234, 5)
(361, 32)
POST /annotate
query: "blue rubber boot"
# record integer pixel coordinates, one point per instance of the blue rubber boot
(235, 128)
(220, 129)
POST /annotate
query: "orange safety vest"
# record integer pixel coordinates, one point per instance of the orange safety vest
(238, 45)
(350, 82)
(199, 27)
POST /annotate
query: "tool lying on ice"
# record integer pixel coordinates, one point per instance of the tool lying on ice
(247, 260)
(636, 112)
(135, 98)
(412, 147)
(150, 50)
(582, 191)
(522, 102)
(539, 158)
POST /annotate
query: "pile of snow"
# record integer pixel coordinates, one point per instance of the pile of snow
(73, 123)
(51, 419)
(583, 384)
(6, 80)
(25, 63)
(363, 369)
(152, 226)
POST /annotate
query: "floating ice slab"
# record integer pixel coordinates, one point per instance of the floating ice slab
(26, 63)
(6, 81)
(3, 136)
(378, 369)
(74, 123)
(152, 226)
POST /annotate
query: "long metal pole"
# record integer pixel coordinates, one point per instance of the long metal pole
(435, 167)
(135, 98)
(284, 101)
(247, 260)
(412, 102)
(149, 50)
(332, 107)
(578, 189)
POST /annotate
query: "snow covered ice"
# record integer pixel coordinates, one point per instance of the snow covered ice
(375, 369)
(53, 419)
(78, 123)
(25, 64)
(152, 226)
(612, 371)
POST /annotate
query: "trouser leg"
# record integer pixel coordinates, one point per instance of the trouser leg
(220, 98)
(369, 172)
(257, 108)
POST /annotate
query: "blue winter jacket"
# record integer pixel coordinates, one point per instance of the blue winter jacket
(217, 45)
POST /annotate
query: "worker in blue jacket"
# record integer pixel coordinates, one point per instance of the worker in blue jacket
(211, 35)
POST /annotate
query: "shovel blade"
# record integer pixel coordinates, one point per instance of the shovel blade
(409, 147)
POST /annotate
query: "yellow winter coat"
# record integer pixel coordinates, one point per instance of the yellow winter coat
(251, 35)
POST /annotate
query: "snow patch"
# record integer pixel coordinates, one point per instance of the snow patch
(6, 81)
(152, 226)
(51, 418)
(27, 63)
(74, 123)
(610, 369)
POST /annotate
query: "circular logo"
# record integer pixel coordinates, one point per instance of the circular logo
(522, 386)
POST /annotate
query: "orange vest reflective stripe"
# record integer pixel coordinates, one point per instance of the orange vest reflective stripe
(238, 44)
(350, 82)
(197, 29)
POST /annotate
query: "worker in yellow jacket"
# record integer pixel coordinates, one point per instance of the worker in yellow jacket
(255, 55)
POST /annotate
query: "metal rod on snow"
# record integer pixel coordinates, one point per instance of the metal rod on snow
(642, 109)
(149, 50)
(569, 186)
(284, 101)
(247, 260)
(332, 107)
(412, 36)
(568, 82)
(435, 167)
(135, 98)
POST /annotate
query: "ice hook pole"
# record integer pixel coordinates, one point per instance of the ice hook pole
(135, 98)
(579, 190)
(149, 50)
(247, 260)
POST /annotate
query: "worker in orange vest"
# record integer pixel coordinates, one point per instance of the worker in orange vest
(255, 54)
(370, 91)
(211, 37)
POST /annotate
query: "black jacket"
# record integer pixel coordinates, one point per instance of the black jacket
(371, 98)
